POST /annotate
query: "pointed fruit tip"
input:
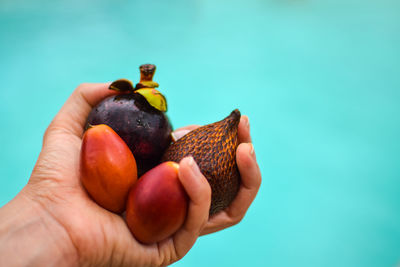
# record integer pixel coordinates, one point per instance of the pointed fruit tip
(235, 114)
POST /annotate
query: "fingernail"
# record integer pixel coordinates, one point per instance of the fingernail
(173, 136)
(195, 169)
(178, 134)
(252, 153)
(247, 122)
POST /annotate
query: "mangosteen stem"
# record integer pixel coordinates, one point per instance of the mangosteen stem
(147, 72)
(146, 76)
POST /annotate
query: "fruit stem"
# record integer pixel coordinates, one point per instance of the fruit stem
(146, 76)
(147, 72)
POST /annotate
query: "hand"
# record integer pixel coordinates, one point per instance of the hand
(60, 214)
(250, 179)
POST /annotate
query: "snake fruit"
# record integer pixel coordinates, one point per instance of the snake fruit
(213, 147)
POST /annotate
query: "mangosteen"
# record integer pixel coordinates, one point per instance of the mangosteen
(138, 116)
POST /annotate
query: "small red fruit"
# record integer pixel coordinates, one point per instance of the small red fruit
(157, 204)
(107, 167)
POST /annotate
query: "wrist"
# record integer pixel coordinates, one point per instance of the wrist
(29, 235)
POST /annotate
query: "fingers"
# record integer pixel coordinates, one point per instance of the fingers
(250, 183)
(178, 133)
(72, 116)
(244, 130)
(199, 192)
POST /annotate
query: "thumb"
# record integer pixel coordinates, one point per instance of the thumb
(72, 116)
(64, 133)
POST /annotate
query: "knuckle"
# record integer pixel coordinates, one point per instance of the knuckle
(207, 191)
(239, 219)
(205, 195)
(81, 89)
(235, 220)
(54, 129)
(82, 86)
(50, 129)
(257, 180)
(235, 217)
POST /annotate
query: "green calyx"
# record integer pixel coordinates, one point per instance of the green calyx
(145, 87)
(154, 97)
(122, 85)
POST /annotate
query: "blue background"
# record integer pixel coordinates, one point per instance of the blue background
(319, 80)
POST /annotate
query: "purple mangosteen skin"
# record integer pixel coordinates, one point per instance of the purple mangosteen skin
(146, 130)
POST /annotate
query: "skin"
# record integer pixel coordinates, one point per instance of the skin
(53, 222)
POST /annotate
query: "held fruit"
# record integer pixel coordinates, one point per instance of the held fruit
(107, 167)
(138, 116)
(213, 147)
(157, 204)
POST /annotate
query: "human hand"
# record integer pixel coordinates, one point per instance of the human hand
(81, 231)
(58, 224)
(250, 179)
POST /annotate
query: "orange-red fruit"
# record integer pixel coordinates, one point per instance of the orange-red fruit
(157, 204)
(107, 166)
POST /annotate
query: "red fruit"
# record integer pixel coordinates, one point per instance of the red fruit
(157, 204)
(107, 166)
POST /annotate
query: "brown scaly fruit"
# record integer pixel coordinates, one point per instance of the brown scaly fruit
(213, 147)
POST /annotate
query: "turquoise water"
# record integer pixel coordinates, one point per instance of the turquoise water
(319, 80)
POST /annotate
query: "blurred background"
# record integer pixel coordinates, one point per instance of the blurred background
(319, 80)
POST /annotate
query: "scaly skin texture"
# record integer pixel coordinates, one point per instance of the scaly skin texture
(213, 147)
(146, 130)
